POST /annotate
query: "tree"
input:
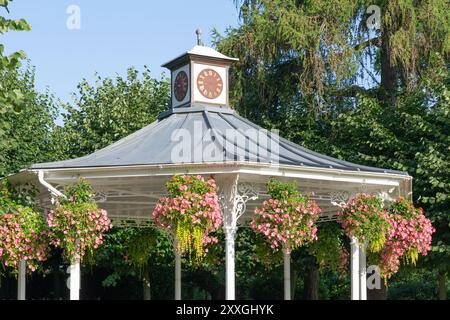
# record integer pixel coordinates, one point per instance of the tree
(318, 49)
(414, 138)
(28, 133)
(11, 98)
(136, 252)
(110, 110)
(376, 97)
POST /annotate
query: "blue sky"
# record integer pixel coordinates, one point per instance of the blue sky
(114, 35)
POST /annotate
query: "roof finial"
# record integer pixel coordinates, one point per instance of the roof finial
(199, 33)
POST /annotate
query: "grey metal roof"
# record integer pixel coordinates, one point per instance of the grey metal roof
(154, 144)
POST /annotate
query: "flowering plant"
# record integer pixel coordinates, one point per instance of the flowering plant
(409, 234)
(23, 234)
(287, 219)
(364, 218)
(77, 225)
(191, 213)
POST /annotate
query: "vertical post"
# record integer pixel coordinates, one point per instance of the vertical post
(21, 280)
(229, 193)
(354, 267)
(177, 274)
(230, 234)
(287, 274)
(233, 200)
(362, 272)
(75, 279)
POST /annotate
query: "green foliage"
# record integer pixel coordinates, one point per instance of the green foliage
(23, 196)
(284, 191)
(316, 51)
(78, 193)
(124, 256)
(109, 110)
(412, 283)
(412, 137)
(10, 99)
(194, 185)
(328, 248)
(264, 255)
(26, 136)
(139, 247)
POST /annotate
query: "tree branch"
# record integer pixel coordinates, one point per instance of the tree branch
(352, 91)
(370, 42)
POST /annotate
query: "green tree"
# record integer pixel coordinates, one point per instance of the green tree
(110, 110)
(134, 251)
(27, 134)
(414, 137)
(11, 99)
(316, 50)
(377, 97)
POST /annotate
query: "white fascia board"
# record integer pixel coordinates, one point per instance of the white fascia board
(304, 172)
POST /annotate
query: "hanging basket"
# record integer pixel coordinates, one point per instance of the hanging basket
(363, 217)
(410, 234)
(23, 231)
(23, 236)
(288, 219)
(191, 214)
(77, 225)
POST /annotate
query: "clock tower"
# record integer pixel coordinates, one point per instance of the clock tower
(199, 77)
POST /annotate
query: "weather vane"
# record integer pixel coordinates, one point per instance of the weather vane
(198, 32)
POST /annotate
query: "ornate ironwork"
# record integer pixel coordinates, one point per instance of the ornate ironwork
(339, 199)
(100, 196)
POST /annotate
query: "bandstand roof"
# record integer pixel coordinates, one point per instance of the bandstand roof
(154, 144)
(129, 176)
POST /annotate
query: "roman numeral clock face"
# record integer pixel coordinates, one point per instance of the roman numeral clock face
(209, 83)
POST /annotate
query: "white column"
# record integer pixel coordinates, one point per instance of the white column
(287, 275)
(21, 280)
(228, 186)
(230, 233)
(362, 272)
(177, 274)
(354, 267)
(233, 197)
(75, 280)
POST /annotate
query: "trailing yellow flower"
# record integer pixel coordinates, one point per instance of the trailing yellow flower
(190, 214)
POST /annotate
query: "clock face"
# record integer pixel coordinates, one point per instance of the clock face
(180, 86)
(209, 83)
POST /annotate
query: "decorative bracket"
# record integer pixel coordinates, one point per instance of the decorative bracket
(339, 199)
(245, 192)
(100, 196)
(233, 199)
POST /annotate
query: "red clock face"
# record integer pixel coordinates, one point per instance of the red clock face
(209, 83)
(180, 86)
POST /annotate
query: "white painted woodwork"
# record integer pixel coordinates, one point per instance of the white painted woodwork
(354, 268)
(21, 280)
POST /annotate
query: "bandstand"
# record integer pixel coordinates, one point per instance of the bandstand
(201, 134)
